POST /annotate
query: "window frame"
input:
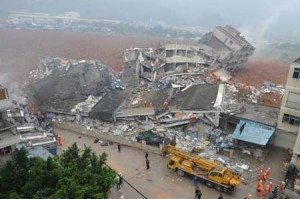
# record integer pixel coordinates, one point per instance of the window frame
(290, 119)
(296, 73)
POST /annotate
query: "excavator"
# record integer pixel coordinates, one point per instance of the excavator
(212, 173)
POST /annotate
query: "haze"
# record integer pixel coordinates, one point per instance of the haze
(268, 19)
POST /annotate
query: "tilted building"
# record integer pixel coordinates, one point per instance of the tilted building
(230, 47)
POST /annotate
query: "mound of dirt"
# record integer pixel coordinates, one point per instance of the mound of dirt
(59, 84)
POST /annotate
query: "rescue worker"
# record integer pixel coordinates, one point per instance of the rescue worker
(220, 196)
(145, 103)
(259, 187)
(267, 189)
(262, 167)
(259, 191)
(261, 175)
(282, 187)
(249, 196)
(259, 183)
(264, 177)
(165, 105)
(151, 105)
(268, 172)
(271, 185)
(264, 192)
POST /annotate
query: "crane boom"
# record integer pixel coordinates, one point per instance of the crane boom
(203, 163)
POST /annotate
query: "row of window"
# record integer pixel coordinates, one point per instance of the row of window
(290, 119)
(296, 73)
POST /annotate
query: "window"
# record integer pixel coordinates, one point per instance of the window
(214, 174)
(290, 119)
(293, 101)
(296, 73)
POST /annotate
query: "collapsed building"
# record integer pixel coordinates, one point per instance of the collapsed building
(222, 48)
(18, 127)
(230, 47)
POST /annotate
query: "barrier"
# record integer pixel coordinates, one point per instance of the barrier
(105, 136)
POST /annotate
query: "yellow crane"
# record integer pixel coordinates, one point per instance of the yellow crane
(212, 173)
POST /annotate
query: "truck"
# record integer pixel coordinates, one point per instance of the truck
(210, 172)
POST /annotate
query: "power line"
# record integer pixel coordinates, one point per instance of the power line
(129, 184)
(125, 181)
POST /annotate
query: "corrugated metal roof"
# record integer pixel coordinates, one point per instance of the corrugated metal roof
(253, 132)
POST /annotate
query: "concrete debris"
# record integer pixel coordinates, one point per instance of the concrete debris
(87, 105)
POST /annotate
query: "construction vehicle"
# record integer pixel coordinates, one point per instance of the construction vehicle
(212, 173)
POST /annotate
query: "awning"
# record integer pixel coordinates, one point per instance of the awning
(253, 132)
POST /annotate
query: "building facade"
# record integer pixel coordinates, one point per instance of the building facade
(288, 123)
(230, 46)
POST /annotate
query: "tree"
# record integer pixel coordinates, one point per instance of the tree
(72, 175)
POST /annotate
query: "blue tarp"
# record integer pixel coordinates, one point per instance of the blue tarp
(253, 132)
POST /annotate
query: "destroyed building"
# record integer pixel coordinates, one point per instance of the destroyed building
(8, 133)
(18, 126)
(229, 46)
(152, 63)
(222, 48)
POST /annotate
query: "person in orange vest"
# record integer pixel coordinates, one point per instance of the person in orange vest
(259, 190)
(282, 187)
(271, 185)
(268, 172)
(165, 105)
(267, 189)
(265, 177)
(151, 105)
(259, 183)
(264, 192)
(261, 175)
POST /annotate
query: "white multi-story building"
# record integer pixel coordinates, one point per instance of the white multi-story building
(288, 125)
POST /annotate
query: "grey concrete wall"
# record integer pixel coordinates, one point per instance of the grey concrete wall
(107, 137)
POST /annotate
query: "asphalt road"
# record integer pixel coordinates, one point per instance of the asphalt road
(157, 182)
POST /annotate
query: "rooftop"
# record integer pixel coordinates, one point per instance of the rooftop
(106, 107)
(297, 60)
(261, 114)
(196, 97)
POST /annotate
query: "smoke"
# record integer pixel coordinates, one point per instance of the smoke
(258, 32)
(14, 90)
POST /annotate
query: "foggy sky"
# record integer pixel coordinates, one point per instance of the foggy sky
(258, 17)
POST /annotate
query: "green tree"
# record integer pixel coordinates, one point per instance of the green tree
(73, 175)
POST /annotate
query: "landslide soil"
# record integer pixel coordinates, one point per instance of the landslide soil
(21, 51)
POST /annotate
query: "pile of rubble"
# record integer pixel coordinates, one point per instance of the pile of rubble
(60, 84)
